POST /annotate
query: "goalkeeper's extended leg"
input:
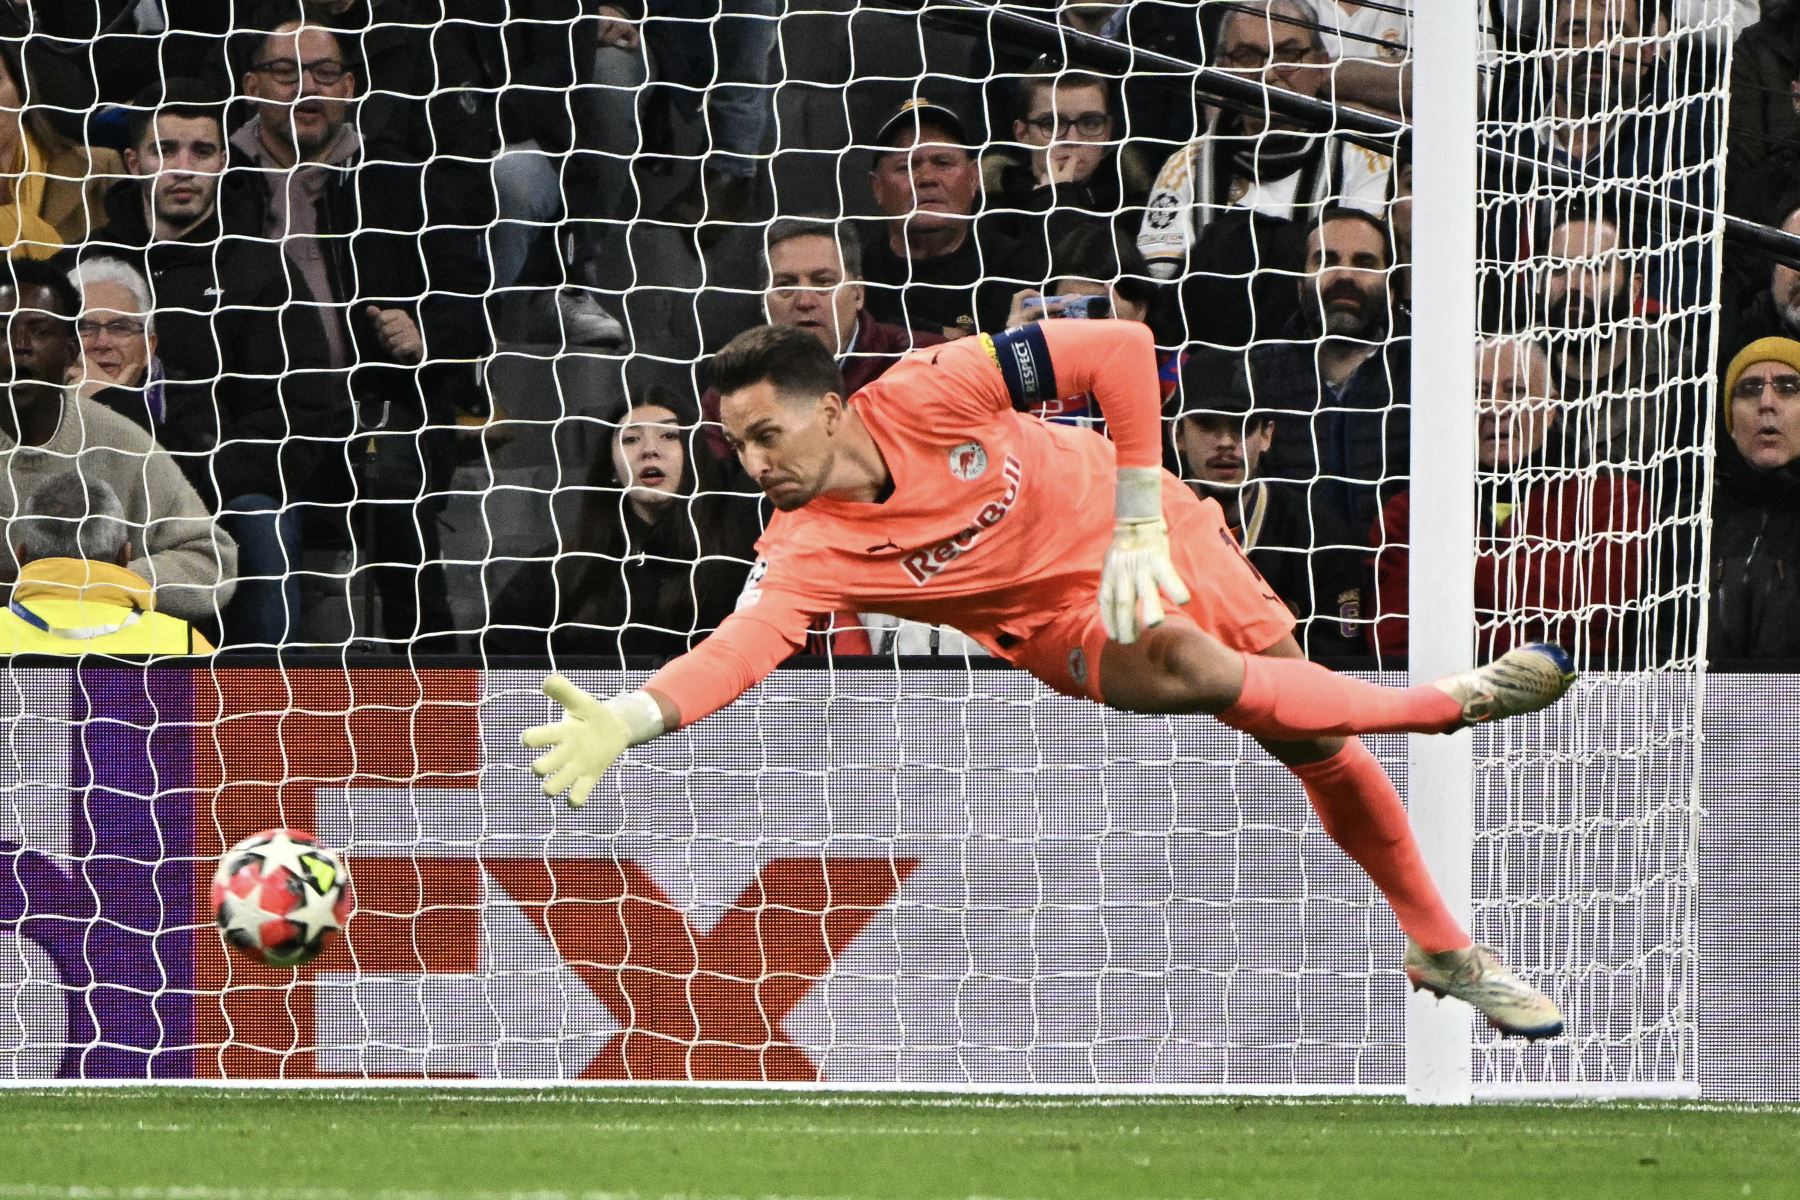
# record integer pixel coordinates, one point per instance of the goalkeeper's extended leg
(1359, 808)
(1353, 796)
(1176, 667)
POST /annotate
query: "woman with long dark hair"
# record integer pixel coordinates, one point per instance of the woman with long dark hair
(655, 560)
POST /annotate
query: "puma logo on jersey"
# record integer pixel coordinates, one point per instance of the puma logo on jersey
(922, 566)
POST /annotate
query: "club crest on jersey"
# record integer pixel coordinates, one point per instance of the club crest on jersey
(752, 591)
(921, 566)
(968, 461)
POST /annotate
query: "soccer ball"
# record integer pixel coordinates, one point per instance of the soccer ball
(277, 894)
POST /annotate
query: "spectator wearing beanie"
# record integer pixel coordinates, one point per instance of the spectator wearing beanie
(1756, 507)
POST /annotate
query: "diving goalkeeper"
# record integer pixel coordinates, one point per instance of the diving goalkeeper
(931, 495)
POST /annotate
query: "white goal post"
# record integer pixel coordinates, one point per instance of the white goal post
(1446, 48)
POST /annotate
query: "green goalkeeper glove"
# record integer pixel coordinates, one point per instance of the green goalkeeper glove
(580, 747)
(1138, 571)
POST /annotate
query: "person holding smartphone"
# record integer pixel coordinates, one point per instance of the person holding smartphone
(1095, 274)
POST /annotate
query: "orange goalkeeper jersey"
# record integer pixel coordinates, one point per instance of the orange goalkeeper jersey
(995, 519)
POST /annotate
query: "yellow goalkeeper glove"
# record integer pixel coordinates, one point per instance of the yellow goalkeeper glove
(1138, 571)
(589, 739)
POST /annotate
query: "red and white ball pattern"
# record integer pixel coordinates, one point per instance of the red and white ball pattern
(278, 894)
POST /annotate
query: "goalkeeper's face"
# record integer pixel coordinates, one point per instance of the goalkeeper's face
(786, 443)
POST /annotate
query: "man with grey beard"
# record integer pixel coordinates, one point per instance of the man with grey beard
(1338, 385)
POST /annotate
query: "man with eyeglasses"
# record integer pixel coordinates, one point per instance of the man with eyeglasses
(47, 428)
(239, 337)
(1171, 28)
(1756, 507)
(119, 367)
(1225, 206)
(1070, 168)
(349, 226)
(1559, 556)
(814, 273)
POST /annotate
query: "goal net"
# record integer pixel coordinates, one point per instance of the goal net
(492, 282)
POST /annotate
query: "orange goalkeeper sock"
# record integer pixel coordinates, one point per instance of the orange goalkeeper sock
(1359, 808)
(1288, 699)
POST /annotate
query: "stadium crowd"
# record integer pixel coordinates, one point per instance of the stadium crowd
(268, 260)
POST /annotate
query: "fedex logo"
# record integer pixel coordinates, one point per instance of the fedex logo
(163, 768)
(923, 565)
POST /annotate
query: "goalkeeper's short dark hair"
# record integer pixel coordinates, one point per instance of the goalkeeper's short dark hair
(174, 97)
(796, 362)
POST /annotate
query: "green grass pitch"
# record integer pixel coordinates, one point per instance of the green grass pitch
(569, 1144)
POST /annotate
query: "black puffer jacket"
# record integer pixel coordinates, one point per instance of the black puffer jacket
(240, 340)
(1755, 560)
(1352, 450)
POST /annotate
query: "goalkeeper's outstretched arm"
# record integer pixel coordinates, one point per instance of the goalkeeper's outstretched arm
(580, 748)
(1116, 361)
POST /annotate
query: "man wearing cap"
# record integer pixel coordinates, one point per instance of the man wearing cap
(1756, 507)
(927, 266)
(1307, 555)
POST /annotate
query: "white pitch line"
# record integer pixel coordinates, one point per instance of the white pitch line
(378, 1095)
(75, 1191)
(625, 1127)
(712, 1128)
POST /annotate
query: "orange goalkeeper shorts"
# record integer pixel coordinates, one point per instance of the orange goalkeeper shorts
(1230, 600)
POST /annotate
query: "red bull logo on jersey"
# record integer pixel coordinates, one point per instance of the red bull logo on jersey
(923, 565)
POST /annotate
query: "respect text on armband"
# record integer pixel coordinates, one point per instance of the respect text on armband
(922, 566)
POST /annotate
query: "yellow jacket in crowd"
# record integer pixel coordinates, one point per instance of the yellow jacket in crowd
(76, 606)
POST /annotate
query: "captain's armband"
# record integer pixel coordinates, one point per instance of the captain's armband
(1024, 361)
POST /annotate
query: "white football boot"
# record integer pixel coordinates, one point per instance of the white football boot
(1477, 976)
(1523, 680)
